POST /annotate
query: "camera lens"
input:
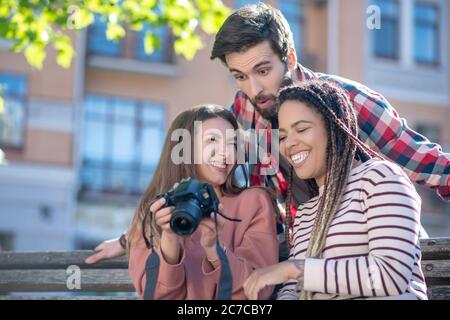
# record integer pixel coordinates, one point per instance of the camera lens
(185, 218)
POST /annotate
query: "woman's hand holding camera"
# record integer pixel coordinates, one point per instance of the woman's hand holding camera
(208, 238)
(170, 242)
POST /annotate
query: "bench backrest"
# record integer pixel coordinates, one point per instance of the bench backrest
(60, 271)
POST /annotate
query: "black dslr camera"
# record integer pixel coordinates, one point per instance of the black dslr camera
(193, 201)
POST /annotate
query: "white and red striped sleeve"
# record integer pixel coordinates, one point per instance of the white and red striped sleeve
(392, 207)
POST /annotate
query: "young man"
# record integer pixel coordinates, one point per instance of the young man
(255, 43)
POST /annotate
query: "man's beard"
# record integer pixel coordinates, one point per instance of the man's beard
(271, 113)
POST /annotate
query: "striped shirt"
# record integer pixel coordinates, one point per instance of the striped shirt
(372, 248)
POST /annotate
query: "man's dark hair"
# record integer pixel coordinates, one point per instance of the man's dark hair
(251, 25)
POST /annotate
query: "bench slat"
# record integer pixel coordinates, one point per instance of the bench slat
(436, 272)
(435, 248)
(92, 280)
(432, 249)
(56, 260)
(439, 293)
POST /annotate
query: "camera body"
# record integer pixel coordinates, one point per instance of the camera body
(193, 201)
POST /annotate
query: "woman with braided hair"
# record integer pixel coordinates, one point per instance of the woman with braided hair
(358, 237)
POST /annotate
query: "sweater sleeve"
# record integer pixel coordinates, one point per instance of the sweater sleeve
(258, 246)
(380, 124)
(392, 208)
(171, 278)
(171, 283)
(382, 128)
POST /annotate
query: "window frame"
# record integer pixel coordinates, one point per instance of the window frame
(24, 100)
(403, 79)
(436, 27)
(397, 36)
(166, 48)
(300, 16)
(108, 163)
(102, 26)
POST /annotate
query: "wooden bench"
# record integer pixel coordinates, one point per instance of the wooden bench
(43, 273)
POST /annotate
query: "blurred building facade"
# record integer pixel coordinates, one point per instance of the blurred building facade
(82, 143)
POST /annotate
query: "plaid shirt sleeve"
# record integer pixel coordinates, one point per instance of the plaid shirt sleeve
(381, 127)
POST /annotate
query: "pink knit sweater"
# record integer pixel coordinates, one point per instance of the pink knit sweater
(250, 244)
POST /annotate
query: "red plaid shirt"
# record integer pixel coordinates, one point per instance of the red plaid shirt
(380, 127)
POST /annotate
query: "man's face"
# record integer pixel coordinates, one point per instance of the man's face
(259, 73)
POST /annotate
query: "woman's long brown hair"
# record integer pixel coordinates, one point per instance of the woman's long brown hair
(168, 173)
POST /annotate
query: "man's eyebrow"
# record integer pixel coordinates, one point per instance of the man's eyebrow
(296, 124)
(261, 64)
(235, 70)
(255, 67)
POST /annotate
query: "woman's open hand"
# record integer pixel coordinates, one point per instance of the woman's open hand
(106, 250)
(270, 276)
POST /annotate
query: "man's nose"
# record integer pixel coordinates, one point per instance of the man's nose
(255, 87)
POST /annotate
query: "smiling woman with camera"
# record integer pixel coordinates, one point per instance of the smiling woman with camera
(189, 266)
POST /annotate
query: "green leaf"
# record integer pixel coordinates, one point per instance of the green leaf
(30, 25)
(136, 26)
(210, 24)
(82, 18)
(35, 54)
(148, 4)
(180, 10)
(114, 31)
(65, 50)
(5, 11)
(151, 42)
(188, 45)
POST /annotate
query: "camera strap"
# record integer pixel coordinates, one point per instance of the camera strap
(226, 277)
(152, 271)
(153, 262)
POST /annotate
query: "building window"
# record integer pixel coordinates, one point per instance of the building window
(122, 141)
(14, 92)
(426, 19)
(293, 11)
(98, 43)
(387, 38)
(161, 55)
